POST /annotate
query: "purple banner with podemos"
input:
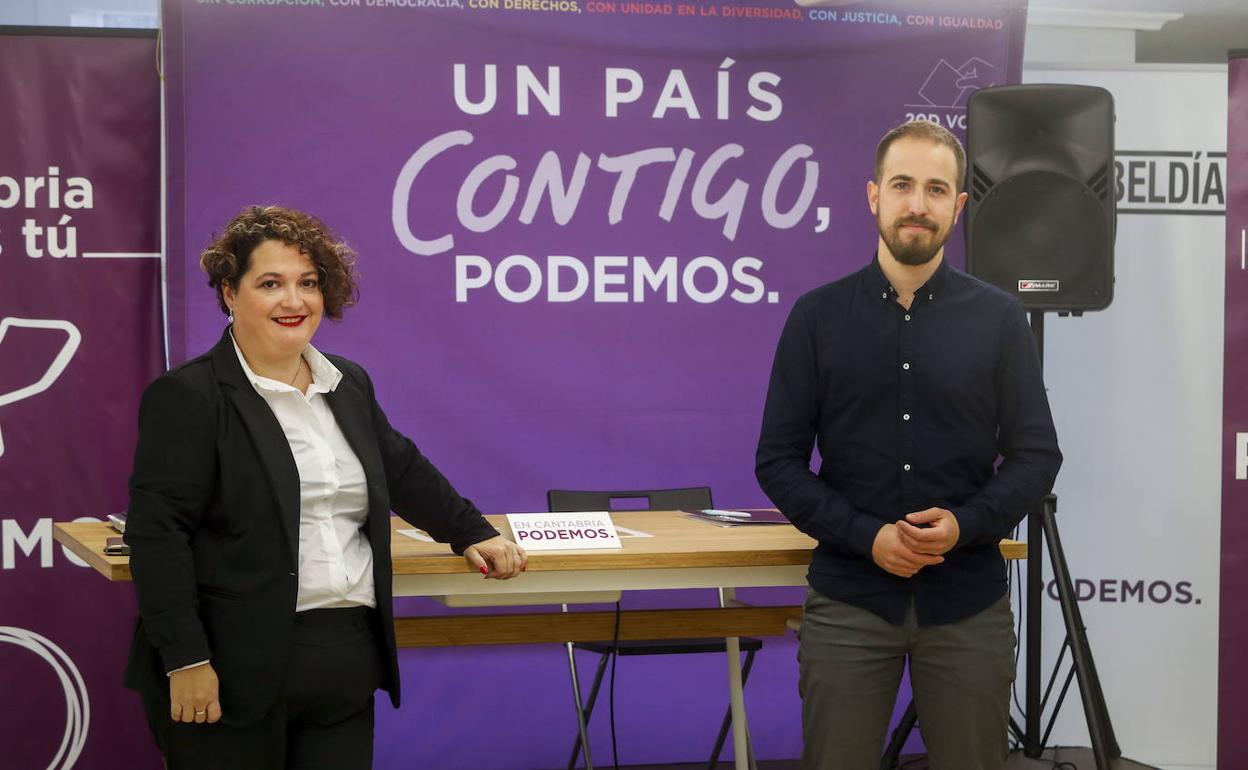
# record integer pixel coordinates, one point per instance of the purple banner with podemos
(581, 224)
(79, 338)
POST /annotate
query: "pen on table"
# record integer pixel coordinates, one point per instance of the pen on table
(721, 512)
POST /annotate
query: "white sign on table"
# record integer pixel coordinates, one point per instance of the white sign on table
(563, 531)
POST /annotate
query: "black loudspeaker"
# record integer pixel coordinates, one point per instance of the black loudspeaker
(1041, 215)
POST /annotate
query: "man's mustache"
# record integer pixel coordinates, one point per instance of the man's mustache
(917, 222)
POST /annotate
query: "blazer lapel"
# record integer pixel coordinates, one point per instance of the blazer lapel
(352, 411)
(266, 434)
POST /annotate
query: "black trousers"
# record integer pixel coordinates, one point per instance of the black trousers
(323, 718)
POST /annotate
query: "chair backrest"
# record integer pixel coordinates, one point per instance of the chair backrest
(694, 498)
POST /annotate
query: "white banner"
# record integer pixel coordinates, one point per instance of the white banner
(1136, 395)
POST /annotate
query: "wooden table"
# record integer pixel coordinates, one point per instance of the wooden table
(680, 553)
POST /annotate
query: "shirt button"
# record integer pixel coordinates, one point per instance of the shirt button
(906, 365)
(907, 316)
(907, 418)
(929, 296)
(906, 467)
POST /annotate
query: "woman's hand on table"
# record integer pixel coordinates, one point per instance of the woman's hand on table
(497, 558)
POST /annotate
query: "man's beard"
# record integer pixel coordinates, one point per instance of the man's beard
(915, 250)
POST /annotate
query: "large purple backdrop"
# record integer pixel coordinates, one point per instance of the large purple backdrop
(580, 226)
(79, 338)
(352, 113)
(1233, 623)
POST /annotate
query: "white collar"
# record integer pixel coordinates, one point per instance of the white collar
(325, 376)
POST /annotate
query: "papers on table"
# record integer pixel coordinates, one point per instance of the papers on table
(736, 517)
(416, 534)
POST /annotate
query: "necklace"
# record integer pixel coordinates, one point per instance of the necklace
(297, 370)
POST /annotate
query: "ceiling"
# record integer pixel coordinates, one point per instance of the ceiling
(1205, 32)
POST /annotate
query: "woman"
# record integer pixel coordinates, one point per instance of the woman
(259, 521)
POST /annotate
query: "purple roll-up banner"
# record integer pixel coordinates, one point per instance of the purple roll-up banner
(581, 224)
(1233, 622)
(80, 335)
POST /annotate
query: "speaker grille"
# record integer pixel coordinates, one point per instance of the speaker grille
(981, 183)
(1042, 236)
(1099, 183)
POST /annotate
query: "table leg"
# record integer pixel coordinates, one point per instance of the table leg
(576, 697)
(740, 727)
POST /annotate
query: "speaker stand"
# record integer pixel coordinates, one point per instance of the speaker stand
(1105, 752)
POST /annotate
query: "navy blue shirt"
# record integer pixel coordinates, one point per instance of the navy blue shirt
(910, 409)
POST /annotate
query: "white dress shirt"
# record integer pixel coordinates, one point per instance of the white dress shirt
(335, 557)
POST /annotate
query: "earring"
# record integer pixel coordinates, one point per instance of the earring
(231, 316)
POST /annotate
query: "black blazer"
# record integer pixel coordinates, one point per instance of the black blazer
(213, 526)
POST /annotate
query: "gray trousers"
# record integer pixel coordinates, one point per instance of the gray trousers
(851, 663)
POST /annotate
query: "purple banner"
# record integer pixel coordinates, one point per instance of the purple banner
(80, 336)
(1233, 623)
(581, 225)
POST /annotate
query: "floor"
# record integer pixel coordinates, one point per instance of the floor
(1074, 759)
(908, 762)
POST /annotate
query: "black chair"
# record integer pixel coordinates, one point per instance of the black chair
(687, 498)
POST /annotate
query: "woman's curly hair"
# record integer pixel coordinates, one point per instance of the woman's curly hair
(228, 258)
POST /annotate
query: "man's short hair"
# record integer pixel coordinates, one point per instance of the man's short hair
(922, 129)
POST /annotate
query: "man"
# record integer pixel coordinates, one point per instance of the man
(913, 378)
